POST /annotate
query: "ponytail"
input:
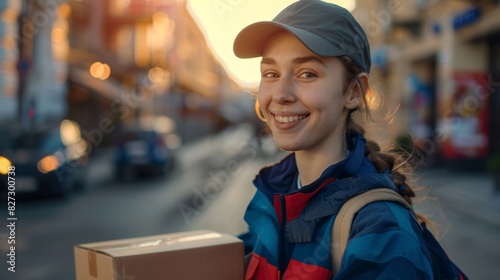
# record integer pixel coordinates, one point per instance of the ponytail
(387, 160)
(399, 167)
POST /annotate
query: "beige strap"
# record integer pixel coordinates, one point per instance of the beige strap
(342, 225)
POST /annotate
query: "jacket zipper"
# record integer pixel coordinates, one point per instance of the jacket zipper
(281, 238)
(277, 227)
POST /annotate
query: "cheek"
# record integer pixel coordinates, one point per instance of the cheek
(263, 96)
(320, 99)
(328, 105)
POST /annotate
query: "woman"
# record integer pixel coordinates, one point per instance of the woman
(315, 66)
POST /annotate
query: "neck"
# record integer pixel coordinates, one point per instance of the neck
(312, 163)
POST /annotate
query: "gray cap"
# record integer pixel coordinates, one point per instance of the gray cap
(325, 28)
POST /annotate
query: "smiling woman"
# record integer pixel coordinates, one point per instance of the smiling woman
(314, 95)
(221, 20)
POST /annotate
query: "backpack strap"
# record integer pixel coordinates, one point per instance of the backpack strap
(342, 225)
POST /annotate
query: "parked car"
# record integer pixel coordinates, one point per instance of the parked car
(48, 161)
(140, 151)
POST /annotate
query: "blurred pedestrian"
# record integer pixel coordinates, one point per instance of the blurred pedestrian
(314, 95)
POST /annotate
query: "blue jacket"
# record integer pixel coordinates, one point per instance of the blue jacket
(290, 228)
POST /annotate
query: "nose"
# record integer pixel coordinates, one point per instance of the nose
(284, 91)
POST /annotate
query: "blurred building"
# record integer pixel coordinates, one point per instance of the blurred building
(8, 54)
(33, 73)
(104, 63)
(34, 48)
(9, 40)
(144, 61)
(200, 81)
(440, 61)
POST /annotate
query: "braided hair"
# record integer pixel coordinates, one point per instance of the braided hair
(398, 164)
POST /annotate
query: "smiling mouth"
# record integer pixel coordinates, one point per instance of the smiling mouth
(289, 119)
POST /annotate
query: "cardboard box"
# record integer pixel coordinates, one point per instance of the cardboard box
(185, 255)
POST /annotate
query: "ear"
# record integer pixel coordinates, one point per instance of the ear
(356, 91)
(259, 112)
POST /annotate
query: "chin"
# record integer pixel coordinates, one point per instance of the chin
(287, 145)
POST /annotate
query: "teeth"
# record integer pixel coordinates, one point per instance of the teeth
(288, 119)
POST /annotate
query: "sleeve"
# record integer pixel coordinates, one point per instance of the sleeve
(385, 243)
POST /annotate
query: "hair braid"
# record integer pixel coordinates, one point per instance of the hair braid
(399, 167)
(386, 160)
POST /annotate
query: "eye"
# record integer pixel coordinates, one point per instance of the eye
(307, 75)
(269, 74)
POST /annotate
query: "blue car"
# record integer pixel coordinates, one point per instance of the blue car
(141, 152)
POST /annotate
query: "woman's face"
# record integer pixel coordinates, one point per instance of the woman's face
(301, 96)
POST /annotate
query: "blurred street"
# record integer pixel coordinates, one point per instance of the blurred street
(152, 87)
(47, 229)
(209, 190)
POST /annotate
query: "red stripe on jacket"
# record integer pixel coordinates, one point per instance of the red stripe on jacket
(296, 202)
(298, 270)
(260, 269)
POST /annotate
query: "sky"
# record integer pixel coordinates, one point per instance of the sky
(221, 20)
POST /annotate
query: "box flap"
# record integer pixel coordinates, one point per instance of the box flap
(160, 243)
(188, 255)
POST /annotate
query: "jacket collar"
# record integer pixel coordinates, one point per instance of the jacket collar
(281, 178)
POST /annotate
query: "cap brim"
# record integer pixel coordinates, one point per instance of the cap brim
(251, 41)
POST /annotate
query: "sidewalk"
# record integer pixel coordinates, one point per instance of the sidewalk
(225, 212)
(466, 193)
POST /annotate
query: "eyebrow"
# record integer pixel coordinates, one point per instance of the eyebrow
(298, 60)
